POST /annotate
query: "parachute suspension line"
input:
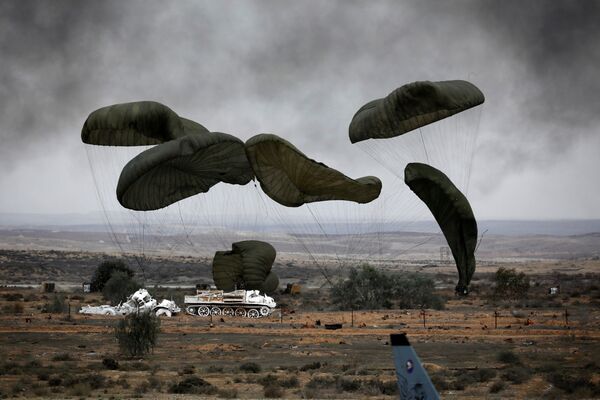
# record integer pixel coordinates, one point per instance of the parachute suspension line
(112, 235)
(424, 147)
(473, 145)
(185, 229)
(337, 256)
(480, 240)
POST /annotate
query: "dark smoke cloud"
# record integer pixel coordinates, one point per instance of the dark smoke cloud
(300, 69)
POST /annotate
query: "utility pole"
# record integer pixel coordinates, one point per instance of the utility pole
(566, 317)
(423, 314)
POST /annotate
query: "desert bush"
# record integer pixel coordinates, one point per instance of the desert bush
(517, 374)
(508, 357)
(81, 389)
(14, 308)
(440, 382)
(140, 389)
(497, 387)
(313, 365)
(123, 383)
(188, 370)
(368, 288)
(137, 333)
(228, 393)
(105, 271)
(348, 385)
(62, 357)
(119, 287)
(320, 381)
(572, 382)
(211, 369)
(510, 284)
(110, 363)
(55, 381)
(96, 381)
(192, 385)
(273, 392)
(154, 383)
(43, 376)
(376, 386)
(290, 381)
(485, 374)
(251, 367)
(13, 296)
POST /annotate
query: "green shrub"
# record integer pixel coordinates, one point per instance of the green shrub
(105, 271)
(517, 374)
(192, 385)
(251, 367)
(510, 284)
(137, 333)
(508, 357)
(348, 385)
(368, 288)
(273, 392)
(228, 393)
(110, 363)
(313, 365)
(119, 287)
(485, 374)
(497, 387)
(62, 357)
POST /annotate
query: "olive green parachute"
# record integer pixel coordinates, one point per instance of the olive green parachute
(180, 168)
(290, 178)
(412, 106)
(452, 212)
(139, 123)
(247, 265)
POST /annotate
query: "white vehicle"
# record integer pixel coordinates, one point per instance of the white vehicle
(140, 301)
(239, 303)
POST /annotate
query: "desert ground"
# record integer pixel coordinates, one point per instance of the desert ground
(543, 346)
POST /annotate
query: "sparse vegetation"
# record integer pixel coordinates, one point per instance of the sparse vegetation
(251, 367)
(137, 333)
(118, 287)
(510, 284)
(104, 272)
(193, 385)
(369, 289)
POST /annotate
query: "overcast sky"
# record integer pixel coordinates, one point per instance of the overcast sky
(301, 69)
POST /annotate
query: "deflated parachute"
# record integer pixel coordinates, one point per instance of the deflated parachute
(181, 168)
(139, 123)
(292, 179)
(452, 212)
(247, 265)
(412, 106)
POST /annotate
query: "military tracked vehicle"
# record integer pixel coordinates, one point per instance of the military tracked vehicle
(239, 303)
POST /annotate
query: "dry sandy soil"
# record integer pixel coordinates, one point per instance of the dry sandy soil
(57, 355)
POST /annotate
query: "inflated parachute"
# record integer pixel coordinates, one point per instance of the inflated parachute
(247, 265)
(140, 123)
(180, 168)
(412, 106)
(452, 212)
(292, 179)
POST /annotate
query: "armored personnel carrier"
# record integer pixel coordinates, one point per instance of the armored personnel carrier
(239, 303)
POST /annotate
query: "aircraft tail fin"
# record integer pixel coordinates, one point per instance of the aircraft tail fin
(413, 380)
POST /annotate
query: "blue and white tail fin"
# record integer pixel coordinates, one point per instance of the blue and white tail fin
(413, 380)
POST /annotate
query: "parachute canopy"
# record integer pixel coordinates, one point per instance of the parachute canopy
(181, 168)
(292, 179)
(139, 123)
(452, 212)
(412, 106)
(247, 265)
